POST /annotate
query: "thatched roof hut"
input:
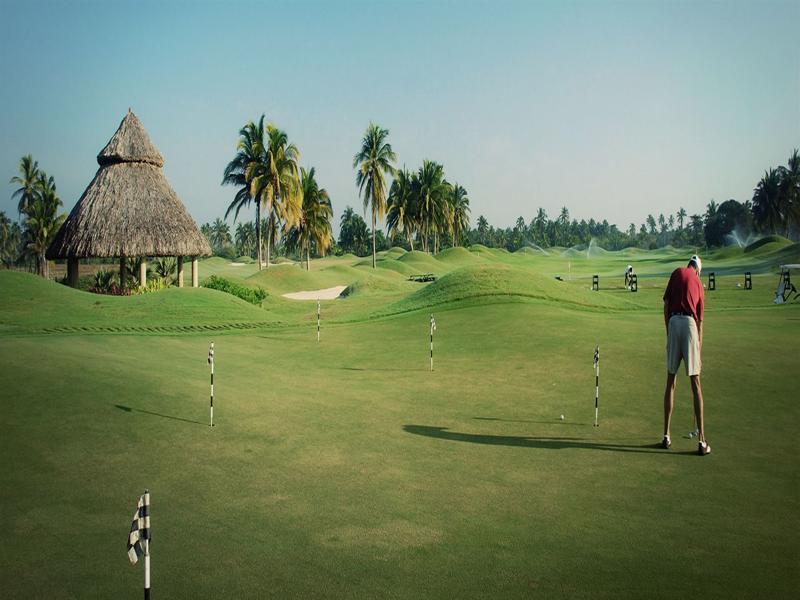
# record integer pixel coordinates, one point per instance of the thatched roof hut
(129, 208)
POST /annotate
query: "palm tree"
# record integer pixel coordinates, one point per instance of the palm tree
(245, 239)
(790, 191)
(243, 171)
(314, 225)
(459, 210)
(540, 226)
(353, 233)
(220, 234)
(767, 210)
(9, 239)
(42, 222)
(278, 187)
(373, 161)
(681, 214)
(402, 213)
(483, 229)
(651, 224)
(432, 190)
(28, 180)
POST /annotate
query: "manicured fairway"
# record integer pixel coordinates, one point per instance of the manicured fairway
(346, 469)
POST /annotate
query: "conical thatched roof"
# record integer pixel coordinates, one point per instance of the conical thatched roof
(129, 207)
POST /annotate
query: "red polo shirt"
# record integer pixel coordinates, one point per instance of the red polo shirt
(684, 293)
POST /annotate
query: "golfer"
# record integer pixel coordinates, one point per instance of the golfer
(683, 318)
(628, 278)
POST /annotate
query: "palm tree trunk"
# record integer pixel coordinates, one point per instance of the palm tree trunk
(258, 232)
(411, 240)
(42, 265)
(373, 238)
(269, 237)
(308, 256)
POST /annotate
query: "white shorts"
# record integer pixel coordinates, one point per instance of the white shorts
(683, 343)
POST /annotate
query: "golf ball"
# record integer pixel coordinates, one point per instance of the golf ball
(562, 417)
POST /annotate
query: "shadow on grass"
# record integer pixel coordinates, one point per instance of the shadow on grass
(553, 422)
(155, 414)
(545, 443)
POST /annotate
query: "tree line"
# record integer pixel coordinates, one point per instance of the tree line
(422, 209)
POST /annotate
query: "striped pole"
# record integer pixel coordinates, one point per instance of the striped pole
(318, 319)
(433, 328)
(596, 383)
(147, 545)
(211, 362)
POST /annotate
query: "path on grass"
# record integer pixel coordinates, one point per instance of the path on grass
(327, 294)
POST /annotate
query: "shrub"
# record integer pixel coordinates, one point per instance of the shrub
(155, 284)
(248, 294)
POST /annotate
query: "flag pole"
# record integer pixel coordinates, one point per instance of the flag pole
(433, 327)
(147, 546)
(211, 362)
(596, 383)
(318, 319)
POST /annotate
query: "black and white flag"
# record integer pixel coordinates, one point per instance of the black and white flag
(139, 537)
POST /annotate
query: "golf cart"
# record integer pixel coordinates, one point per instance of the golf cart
(786, 288)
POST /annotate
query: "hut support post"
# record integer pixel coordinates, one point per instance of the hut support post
(143, 272)
(195, 271)
(72, 271)
(123, 271)
(180, 271)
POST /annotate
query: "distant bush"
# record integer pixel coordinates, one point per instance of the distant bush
(248, 294)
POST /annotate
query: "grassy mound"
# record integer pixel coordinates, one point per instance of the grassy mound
(503, 281)
(458, 257)
(424, 263)
(395, 252)
(28, 302)
(770, 243)
(531, 251)
(282, 279)
(372, 285)
(396, 266)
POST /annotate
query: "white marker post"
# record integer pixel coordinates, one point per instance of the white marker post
(596, 383)
(211, 362)
(433, 328)
(147, 546)
(317, 319)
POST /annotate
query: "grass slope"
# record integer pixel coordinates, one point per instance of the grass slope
(346, 469)
(31, 304)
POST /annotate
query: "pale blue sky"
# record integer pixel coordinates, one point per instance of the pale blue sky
(613, 109)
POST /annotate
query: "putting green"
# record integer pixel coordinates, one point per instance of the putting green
(346, 469)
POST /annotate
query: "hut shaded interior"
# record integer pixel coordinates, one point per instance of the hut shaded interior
(129, 210)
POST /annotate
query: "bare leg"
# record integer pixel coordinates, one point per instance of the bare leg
(669, 401)
(697, 392)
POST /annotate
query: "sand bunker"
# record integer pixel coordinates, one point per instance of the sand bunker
(326, 294)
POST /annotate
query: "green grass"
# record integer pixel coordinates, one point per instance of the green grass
(346, 469)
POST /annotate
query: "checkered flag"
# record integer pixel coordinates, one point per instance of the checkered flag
(139, 537)
(596, 356)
